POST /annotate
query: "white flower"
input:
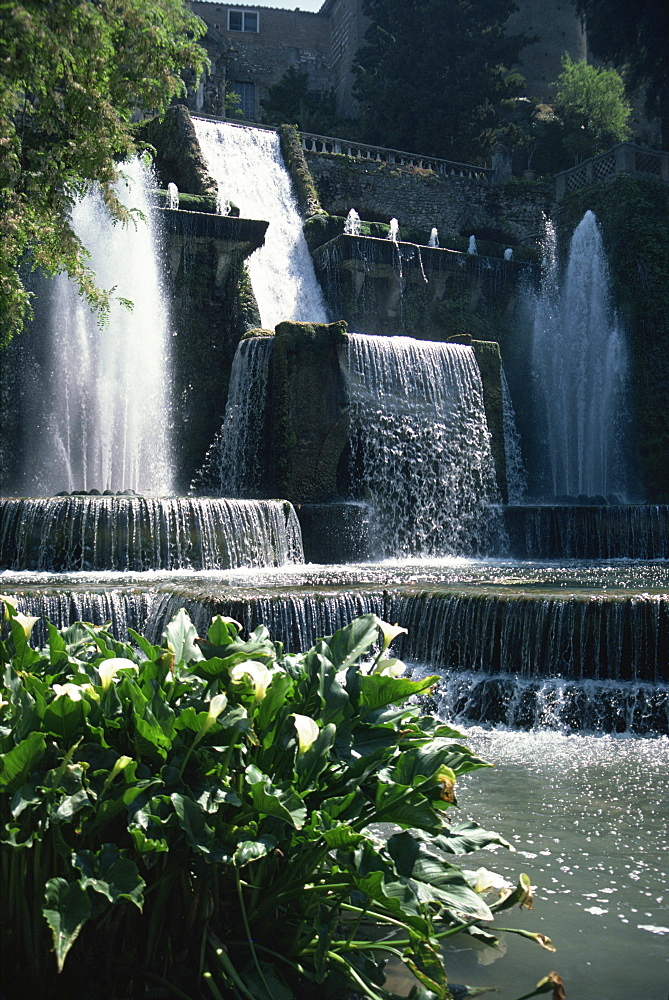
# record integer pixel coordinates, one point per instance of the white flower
(74, 692)
(307, 731)
(259, 674)
(109, 668)
(26, 622)
(389, 668)
(389, 632)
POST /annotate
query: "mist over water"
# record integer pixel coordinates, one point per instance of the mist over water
(580, 366)
(101, 417)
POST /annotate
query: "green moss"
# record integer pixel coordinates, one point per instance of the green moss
(189, 202)
(293, 155)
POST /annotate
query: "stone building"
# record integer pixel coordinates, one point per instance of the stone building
(251, 47)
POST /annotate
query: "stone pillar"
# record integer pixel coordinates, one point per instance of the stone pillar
(501, 162)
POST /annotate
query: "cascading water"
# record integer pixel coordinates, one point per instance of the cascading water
(580, 371)
(101, 419)
(250, 171)
(516, 480)
(233, 466)
(421, 447)
(62, 534)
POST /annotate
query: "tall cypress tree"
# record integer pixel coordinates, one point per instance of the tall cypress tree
(432, 74)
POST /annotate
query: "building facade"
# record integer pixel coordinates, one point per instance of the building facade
(251, 48)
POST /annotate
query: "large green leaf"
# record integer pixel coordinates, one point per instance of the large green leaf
(349, 644)
(272, 800)
(66, 909)
(110, 873)
(17, 764)
(65, 718)
(435, 879)
(463, 838)
(252, 850)
(379, 690)
(181, 635)
(407, 807)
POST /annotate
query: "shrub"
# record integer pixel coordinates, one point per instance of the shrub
(202, 816)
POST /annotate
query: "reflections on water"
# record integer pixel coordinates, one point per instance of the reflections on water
(590, 818)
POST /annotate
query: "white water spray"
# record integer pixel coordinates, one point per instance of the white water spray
(421, 445)
(352, 224)
(434, 237)
(101, 419)
(172, 196)
(580, 368)
(472, 248)
(248, 166)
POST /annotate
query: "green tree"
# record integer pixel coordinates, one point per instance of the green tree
(290, 102)
(591, 108)
(74, 74)
(634, 36)
(433, 73)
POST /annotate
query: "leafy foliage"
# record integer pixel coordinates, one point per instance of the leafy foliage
(203, 813)
(636, 36)
(590, 108)
(432, 74)
(73, 75)
(290, 102)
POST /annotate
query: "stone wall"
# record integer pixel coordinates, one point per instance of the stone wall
(284, 38)
(511, 212)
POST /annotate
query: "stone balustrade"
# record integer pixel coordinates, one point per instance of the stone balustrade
(380, 154)
(624, 158)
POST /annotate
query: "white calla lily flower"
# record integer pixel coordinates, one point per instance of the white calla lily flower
(389, 632)
(109, 668)
(259, 674)
(390, 668)
(26, 622)
(307, 731)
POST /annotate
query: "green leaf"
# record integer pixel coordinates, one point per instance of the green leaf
(151, 652)
(66, 909)
(251, 850)
(437, 880)
(349, 644)
(223, 630)
(463, 838)
(65, 718)
(110, 873)
(181, 635)
(378, 690)
(273, 800)
(407, 807)
(17, 764)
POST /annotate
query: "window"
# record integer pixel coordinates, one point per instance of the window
(247, 96)
(242, 20)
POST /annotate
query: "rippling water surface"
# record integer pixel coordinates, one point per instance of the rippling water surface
(589, 816)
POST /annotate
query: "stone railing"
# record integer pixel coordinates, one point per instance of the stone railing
(625, 158)
(379, 154)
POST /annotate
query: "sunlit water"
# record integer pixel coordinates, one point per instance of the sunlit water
(250, 171)
(588, 813)
(589, 816)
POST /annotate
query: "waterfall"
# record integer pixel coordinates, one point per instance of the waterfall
(612, 531)
(580, 370)
(516, 481)
(234, 466)
(421, 446)
(136, 533)
(250, 172)
(101, 418)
